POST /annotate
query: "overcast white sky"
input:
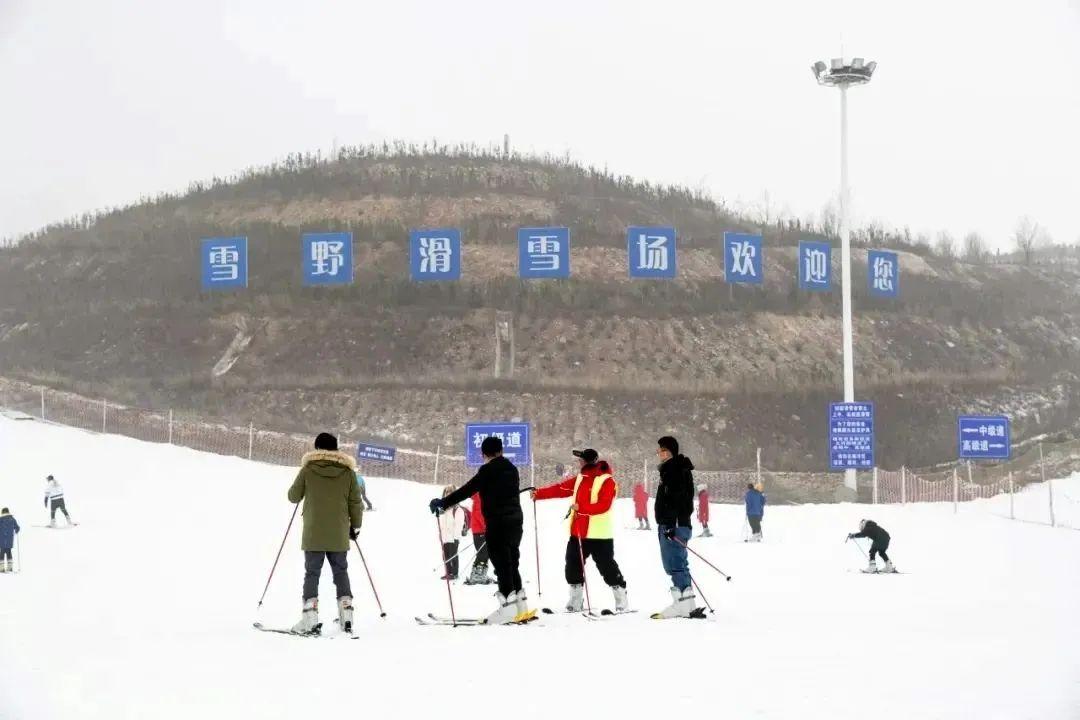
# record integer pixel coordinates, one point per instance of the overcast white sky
(971, 121)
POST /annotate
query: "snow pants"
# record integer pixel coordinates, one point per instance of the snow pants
(674, 556)
(5, 554)
(504, 547)
(603, 554)
(339, 565)
(755, 523)
(55, 505)
(879, 548)
(450, 558)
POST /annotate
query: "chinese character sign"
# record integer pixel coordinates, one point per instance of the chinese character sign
(815, 266)
(224, 263)
(651, 252)
(883, 273)
(327, 258)
(742, 258)
(435, 254)
(851, 436)
(984, 437)
(544, 252)
(514, 436)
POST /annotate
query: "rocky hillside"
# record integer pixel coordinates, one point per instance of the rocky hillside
(110, 306)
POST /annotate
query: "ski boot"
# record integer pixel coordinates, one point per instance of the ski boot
(576, 602)
(871, 567)
(524, 614)
(622, 600)
(309, 619)
(756, 537)
(706, 532)
(345, 613)
(505, 613)
(889, 567)
(682, 604)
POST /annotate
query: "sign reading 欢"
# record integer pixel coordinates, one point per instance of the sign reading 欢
(378, 453)
(651, 252)
(544, 252)
(815, 266)
(742, 258)
(883, 273)
(851, 436)
(435, 254)
(224, 263)
(514, 436)
(327, 258)
(984, 437)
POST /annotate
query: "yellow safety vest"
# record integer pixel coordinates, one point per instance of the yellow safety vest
(601, 527)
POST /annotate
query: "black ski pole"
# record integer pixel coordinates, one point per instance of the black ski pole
(856, 544)
(679, 540)
(374, 592)
(698, 588)
(272, 569)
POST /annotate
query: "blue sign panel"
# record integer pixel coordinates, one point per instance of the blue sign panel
(378, 453)
(544, 252)
(327, 258)
(815, 266)
(435, 254)
(224, 263)
(514, 436)
(851, 436)
(651, 252)
(984, 437)
(742, 258)
(883, 273)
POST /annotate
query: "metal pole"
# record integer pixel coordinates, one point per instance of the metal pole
(1049, 484)
(955, 490)
(104, 415)
(971, 482)
(42, 404)
(759, 466)
(170, 427)
(903, 485)
(845, 269)
(438, 452)
(1012, 508)
(875, 500)
(645, 474)
(251, 440)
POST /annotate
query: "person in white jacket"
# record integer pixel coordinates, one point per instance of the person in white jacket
(54, 500)
(452, 523)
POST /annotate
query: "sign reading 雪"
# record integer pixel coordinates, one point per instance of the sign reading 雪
(378, 453)
(224, 263)
(544, 252)
(851, 436)
(984, 437)
(514, 436)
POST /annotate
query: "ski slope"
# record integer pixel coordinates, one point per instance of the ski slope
(145, 609)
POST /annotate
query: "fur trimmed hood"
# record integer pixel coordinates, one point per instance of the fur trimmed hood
(332, 456)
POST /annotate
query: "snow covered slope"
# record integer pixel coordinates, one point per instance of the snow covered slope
(145, 609)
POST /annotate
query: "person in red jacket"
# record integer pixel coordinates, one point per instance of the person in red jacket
(641, 506)
(703, 509)
(592, 527)
(479, 574)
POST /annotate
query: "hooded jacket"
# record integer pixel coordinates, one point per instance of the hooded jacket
(755, 503)
(8, 527)
(675, 494)
(593, 490)
(327, 485)
(875, 532)
(641, 501)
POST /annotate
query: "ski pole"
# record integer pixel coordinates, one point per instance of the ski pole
(18, 553)
(536, 538)
(584, 580)
(698, 588)
(449, 593)
(274, 567)
(856, 544)
(459, 554)
(374, 592)
(679, 540)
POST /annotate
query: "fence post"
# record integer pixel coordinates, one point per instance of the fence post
(1012, 510)
(903, 485)
(170, 427)
(645, 474)
(251, 440)
(104, 415)
(1049, 484)
(42, 404)
(955, 490)
(875, 490)
(759, 466)
(971, 482)
(438, 453)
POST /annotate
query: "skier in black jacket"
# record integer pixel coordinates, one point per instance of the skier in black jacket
(673, 508)
(879, 543)
(498, 483)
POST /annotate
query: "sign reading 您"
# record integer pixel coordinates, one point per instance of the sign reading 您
(435, 254)
(851, 436)
(544, 252)
(514, 436)
(984, 437)
(815, 266)
(883, 273)
(378, 453)
(651, 252)
(742, 258)
(224, 263)
(327, 258)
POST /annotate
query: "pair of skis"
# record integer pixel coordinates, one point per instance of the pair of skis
(432, 619)
(316, 633)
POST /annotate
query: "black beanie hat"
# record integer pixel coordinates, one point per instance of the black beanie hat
(325, 441)
(669, 443)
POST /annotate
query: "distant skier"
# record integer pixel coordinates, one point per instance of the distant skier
(498, 484)
(452, 522)
(641, 506)
(755, 509)
(478, 575)
(9, 528)
(54, 500)
(592, 527)
(363, 491)
(879, 543)
(673, 508)
(703, 509)
(333, 514)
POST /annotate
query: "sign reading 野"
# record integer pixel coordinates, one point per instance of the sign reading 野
(815, 266)
(742, 258)
(515, 439)
(224, 263)
(851, 436)
(651, 252)
(984, 437)
(544, 252)
(435, 254)
(883, 273)
(378, 453)
(327, 258)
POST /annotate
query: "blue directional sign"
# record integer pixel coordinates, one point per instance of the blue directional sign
(327, 258)
(883, 273)
(224, 263)
(435, 254)
(984, 437)
(651, 252)
(851, 436)
(378, 453)
(544, 252)
(815, 266)
(515, 438)
(742, 258)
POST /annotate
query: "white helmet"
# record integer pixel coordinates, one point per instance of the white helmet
(862, 525)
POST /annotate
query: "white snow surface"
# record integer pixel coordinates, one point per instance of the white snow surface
(145, 609)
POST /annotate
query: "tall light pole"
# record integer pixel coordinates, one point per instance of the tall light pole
(843, 75)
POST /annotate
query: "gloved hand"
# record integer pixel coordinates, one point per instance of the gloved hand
(436, 506)
(464, 531)
(353, 533)
(850, 535)
(670, 533)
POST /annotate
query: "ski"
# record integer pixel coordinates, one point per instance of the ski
(864, 571)
(695, 614)
(433, 619)
(583, 613)
(57, 527)
(614, 613)
(316, 634)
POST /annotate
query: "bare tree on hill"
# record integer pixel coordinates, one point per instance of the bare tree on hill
(1029, 237)
(974, 248)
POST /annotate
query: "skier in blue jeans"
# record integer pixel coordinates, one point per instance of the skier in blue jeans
(673, 508)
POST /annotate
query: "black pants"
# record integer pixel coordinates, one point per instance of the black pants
(339, 565)
(879, 548)
(504, 547)
(450, 558)
(480, 543)
(755, 523)
(603, 554)
(5, 554)
(58, 504)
